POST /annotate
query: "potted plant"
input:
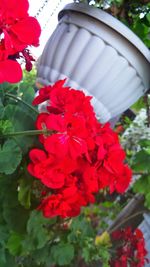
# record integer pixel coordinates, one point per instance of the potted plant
(98, 54)
(58, 191)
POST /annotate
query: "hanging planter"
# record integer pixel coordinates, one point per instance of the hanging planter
(99, 55)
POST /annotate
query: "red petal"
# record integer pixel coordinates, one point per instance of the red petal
(57, 144)
(21, 10)
(37, 155)
(12, 7)
(28, 31)
(10, 71)
(56, 122)
(77, 147)
(8, 41)
(54, 179)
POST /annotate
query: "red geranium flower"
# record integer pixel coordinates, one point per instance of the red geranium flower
(50, 170)
(17, 30)
(70, 136)
(67, 203)
(80, 155)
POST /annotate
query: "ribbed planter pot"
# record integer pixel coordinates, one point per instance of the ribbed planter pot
(99, 55)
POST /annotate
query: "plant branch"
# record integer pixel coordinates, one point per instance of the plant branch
(22, 101)
(126, 220)
(134, 206)
(45, 132)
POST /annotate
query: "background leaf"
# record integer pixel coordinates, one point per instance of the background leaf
(37, 229)
(14, 243)
(24, 192)
(10, 157)
(62, 254)
(21, 121)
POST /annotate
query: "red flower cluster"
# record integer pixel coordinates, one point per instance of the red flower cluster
(131, 250)
(80, 158)
(17, 31)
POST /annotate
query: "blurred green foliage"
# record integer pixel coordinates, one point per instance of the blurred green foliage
(134, 13)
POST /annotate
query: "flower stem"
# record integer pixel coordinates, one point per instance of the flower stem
(22, 101)
(28, 133)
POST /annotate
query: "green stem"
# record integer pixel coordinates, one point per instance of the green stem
(22, 101)
(31, 132)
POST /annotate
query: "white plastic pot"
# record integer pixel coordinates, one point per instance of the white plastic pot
(99, 55)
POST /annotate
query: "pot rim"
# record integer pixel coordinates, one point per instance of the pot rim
(110, 21)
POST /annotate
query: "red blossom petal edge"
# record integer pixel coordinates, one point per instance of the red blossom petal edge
(10, 71)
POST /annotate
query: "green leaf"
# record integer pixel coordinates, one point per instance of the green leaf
(10, 87)
(141, 161)
(15, 223)
(4, 234)
(10, 157)
(10, 206)
(145, 143)
(37, 229)
(42, 256)
(62, 254)
(138, 105)
(1, 108)
(29, 78)
(2, 256)
(147, 200)
(24, 194)
(86, 254)
(14, 244)
(22, 121)
(6, 126)
(82, 225)
(27, 93)
(2, 96)
(142, 185)
(141, 29)
(9, 261)
(148, 17)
